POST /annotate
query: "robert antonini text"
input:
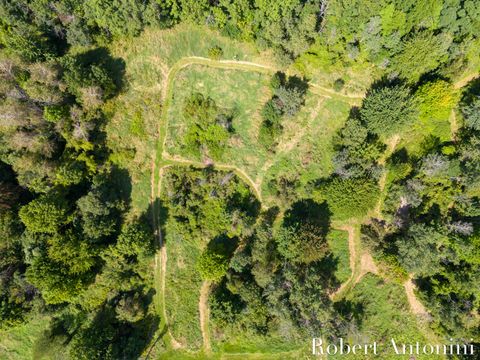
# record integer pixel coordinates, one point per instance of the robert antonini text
(341, 347)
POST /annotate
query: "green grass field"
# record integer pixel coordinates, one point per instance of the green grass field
(182, 289)
(305, 146)
(385, 315)
(240, 92)
(19, 342)
(338, 242)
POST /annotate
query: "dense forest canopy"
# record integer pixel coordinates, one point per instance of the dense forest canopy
(74, 248)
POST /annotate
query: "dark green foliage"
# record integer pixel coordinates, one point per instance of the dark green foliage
(286, 102)
(301, 243)
(350, 198)
(423, 49)
(339, 84)
(90, 77)
(209, 202)
(16, 294)
(388, 110)
(471, 114)
(358, 151)
(118, 17)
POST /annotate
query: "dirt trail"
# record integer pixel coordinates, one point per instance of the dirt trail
(204, 315)
(453, 125)
(367, 265)
(415, 305)
(161, 256)
(462, 82)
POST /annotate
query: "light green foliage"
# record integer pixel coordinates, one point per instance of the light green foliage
(55, 282)
(436, 100)
(350, 198)
(44, 214)
(215, 53)
(72, 252)
(338, 244)
(212, 265)
(388, 110)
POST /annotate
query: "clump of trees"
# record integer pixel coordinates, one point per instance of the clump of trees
(403, 39)
(387, 110)
(288, 97)
(278, 278)
(209, 127)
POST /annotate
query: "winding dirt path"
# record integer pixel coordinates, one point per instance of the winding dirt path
(204, 315)
(415, 305)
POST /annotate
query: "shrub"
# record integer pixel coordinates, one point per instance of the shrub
(435, 100)
(350, 198)
(44, 215)
(215, 53)
(301, 243)
(338, 84)
(212, 265)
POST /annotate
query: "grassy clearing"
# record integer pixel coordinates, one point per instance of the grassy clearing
(386, 315)
(131, 134)
(149, 56)
(305, 147)
(338, 242)
(182, 289)
(239, 92)
(18, 343)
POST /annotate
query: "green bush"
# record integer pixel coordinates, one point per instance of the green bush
(212, 265)
(338, 84)
(215, 53)
(350, 198)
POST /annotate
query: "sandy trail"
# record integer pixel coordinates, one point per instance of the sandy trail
(415, 305)
(204, 315)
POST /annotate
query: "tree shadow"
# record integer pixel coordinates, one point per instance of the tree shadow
(101, 57)
(350, 311)
(157, 216)
(309, 211)
(297, 83)
(222, 244)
